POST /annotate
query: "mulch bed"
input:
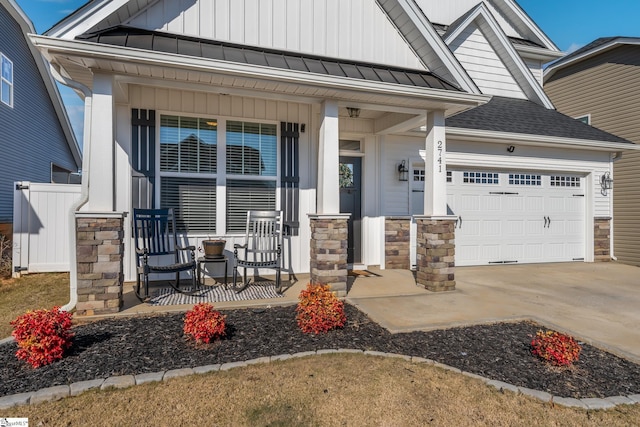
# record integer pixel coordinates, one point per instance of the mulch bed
(149, 344)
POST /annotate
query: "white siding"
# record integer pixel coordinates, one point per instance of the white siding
(535, 66)
(483, 64)
(445, 13)
(355, 29)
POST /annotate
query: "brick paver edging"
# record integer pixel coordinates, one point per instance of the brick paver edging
(62, 391)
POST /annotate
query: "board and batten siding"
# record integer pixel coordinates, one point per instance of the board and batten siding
(31, 137)
(183, 102)
(483, 64)
(607, 87)
(355, 29)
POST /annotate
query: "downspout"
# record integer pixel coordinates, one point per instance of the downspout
(84, 186)
(614, 158)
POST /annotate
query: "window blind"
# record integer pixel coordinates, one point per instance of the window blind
(193, 201)
(245, 195)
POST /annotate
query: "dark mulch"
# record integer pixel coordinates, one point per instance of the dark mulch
(149, 344)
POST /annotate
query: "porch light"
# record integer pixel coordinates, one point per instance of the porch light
(606, 183)
(354, 113)
(403, 172)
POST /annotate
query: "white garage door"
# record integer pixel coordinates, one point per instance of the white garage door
(523, 217)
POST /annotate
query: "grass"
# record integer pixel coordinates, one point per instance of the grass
(30, 292)
(328, 390)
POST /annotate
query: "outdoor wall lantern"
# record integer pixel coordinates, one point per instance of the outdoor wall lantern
(403, 172)
(354, 113)
(606, 183)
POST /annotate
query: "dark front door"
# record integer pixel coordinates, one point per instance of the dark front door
(350, 202)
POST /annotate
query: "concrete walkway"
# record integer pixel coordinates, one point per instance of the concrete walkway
(599, 303)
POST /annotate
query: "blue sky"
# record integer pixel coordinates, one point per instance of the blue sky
(570, 24)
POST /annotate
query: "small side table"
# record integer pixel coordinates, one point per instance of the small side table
(205, 260)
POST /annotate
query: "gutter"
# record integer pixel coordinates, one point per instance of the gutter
(84, 186)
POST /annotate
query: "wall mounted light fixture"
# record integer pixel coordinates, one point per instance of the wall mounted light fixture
(511, 148)
(354, 113)
(403, 172)
(606, 183)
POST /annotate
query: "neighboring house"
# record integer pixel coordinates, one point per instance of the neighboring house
(600, 84)
(36, 140)
(421, 108)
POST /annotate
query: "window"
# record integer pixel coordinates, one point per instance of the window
(418, 175)
(565, 181)
(6, 81)
(188, 144)
(189, 175)
(480, 178)
(586, 119)
(252, 152)
(449, 176)
(525, 179)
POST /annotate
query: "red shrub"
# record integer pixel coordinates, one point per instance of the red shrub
(203, 323)
(319, 310)
(555, 348)
(42, 335)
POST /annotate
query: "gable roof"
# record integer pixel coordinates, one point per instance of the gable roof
(204, 48)
(27, 28)
(596, 47)
(519, 116)
(481, 16)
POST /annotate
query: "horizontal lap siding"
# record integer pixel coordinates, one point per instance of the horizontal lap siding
(483, 64)
(31, 137)
(354, 29)
(608, 88)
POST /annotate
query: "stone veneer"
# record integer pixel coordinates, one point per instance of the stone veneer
(99, 249)
(397, 242)
(436, 253)
(329, 251)
(602, 239)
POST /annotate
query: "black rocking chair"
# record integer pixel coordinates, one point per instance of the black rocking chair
(154, 231)
(262, 247)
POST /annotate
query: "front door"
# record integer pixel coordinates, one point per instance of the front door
(350, 202)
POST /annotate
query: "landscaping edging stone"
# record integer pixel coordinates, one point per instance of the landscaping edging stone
(125, 381)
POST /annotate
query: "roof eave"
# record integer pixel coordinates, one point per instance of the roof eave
(53, 46)
(539, 140)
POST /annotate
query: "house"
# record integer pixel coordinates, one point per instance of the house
(600, 84)
(36, 139)
(390, 132)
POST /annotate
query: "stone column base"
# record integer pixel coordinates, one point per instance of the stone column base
(436, 253)
(328, 260)
(602, 239)
(99, 249)
(397, 242)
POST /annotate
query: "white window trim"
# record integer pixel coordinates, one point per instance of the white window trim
(220, 176)
(584, 116)
(3, 57)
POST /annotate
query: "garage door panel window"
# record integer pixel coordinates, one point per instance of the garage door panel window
(525, 179)
(565, 181)
(480, 178)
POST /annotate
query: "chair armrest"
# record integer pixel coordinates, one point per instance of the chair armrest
(238, 246)
(142, 251)
(186, 248)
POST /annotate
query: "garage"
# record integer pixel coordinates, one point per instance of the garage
(509, 217)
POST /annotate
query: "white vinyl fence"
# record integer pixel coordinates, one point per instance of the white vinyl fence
(41, 226)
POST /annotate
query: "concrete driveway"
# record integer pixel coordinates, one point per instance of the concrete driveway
(598, 303)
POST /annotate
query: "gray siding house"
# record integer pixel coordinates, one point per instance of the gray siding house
(600, 84)
(36, 140)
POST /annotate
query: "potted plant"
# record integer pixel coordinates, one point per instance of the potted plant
(213, 248)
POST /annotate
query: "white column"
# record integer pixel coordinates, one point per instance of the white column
(328, 160)
(435, 190)
(101, 137)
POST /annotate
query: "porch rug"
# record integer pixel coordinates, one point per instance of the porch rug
(259, 290)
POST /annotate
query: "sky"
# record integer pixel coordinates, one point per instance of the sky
(570, 24)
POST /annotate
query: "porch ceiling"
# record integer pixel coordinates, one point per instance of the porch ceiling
(80, 60)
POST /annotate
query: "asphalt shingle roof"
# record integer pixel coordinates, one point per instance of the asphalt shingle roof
(204, 48)
(525, 117)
